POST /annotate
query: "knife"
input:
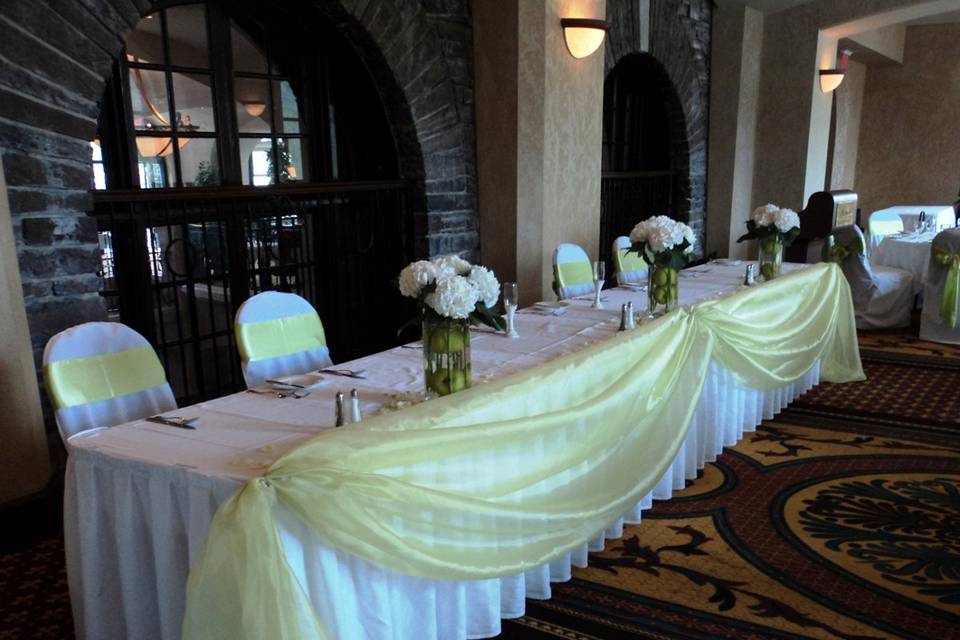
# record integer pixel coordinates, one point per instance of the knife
(190, 423)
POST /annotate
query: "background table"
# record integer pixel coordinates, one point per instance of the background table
(140, 496)
(907, 251)
(894, 220)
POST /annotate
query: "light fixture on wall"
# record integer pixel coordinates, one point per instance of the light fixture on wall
(254, 109)
(830, 79)
(583, 35)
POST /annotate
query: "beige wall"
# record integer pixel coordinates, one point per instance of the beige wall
(24, 458)
(538, 158)
(849, 108)
(735, 65)
(910, 133)
(794, 122)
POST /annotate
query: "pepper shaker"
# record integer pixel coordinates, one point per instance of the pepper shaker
(339, 422)
(623, 317)
(751, 275)
(631, 318)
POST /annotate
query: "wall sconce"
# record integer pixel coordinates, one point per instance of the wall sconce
(583, 35)
(254, 109)
(830, 79)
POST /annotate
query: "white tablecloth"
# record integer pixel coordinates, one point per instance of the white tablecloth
(140, 496)
(907, 251)
(894, 220)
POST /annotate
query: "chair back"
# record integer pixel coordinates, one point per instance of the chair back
(279, 334)
(100, 374)
(572, 271)
(941, 297)
(631, 269)
(849, 251)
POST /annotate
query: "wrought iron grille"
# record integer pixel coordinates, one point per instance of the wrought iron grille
(177, 264)
(626, 198)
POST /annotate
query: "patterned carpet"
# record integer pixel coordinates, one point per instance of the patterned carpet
(838, 519)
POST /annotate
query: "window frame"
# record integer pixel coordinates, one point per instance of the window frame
(118, 134)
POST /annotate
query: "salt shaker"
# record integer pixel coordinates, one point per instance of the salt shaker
(355, 406)
(751, 275)
(340, 417)
(631, 319)
(624, 310)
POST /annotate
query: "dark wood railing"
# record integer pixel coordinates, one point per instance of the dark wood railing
(177, 263)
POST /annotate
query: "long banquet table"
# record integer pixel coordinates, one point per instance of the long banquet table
(140, 497)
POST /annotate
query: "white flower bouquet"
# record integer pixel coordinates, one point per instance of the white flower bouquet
(451, 288)
(665, 245)
(451, 294)
(663, 241)
(770, 221)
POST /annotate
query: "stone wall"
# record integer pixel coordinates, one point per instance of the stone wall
(55, 57)
(679, 39)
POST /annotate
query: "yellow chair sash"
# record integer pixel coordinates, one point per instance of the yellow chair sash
(510, 474)
(843, 250)
(628, 261)
(280, 336)
(573, 273)
(950, 304)
(110, 375)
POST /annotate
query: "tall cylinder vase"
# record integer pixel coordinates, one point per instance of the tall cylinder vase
(446, 356)
(662, 289)
(771, 257)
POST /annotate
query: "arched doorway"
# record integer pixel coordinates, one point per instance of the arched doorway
(645, 158)
(243, 151)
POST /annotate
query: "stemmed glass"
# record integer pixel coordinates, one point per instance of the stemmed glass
(510, 297)
(599, 273)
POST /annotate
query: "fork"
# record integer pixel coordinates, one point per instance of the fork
(347, 373)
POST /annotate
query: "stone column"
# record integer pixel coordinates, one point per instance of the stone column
(24, 458)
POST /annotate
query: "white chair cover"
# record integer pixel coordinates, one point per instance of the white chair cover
(882, 296)
(631, 269)
(933, 327)
(572, 271)
(306, 351)
(99, 339)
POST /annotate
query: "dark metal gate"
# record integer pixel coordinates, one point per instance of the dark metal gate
(177, 264)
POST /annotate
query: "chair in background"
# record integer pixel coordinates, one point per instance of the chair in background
(572, 271)
(100, 374)
(631, 269)
(940, 319)
(279, 334)
(882, 296)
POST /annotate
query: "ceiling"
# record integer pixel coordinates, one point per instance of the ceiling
(943, 18)
(773, 6)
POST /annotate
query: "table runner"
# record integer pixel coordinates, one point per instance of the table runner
(414, 491)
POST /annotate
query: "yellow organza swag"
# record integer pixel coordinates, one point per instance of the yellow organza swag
(513, 473)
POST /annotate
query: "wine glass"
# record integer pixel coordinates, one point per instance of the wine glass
(599, 273)
(510, 298)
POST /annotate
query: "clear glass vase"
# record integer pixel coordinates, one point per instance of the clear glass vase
(446, 356)
(662, 285)
(771, 257)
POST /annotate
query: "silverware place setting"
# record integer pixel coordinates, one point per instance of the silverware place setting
(296, 394)
(346, 373)
(175, 421)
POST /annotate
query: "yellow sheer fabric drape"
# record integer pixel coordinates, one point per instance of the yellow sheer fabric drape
(510, 474)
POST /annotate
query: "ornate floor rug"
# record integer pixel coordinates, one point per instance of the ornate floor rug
(838, 519)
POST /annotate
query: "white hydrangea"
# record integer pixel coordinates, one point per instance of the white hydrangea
(662, 233)
(455, 297)
(451, 265)
(785, 220)
(416, 276)
(764, 216)
(487, 285)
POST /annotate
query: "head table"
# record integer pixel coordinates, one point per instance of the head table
(140, 497)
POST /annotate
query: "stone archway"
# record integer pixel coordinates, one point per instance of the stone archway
(55, 60)
(679, 39)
